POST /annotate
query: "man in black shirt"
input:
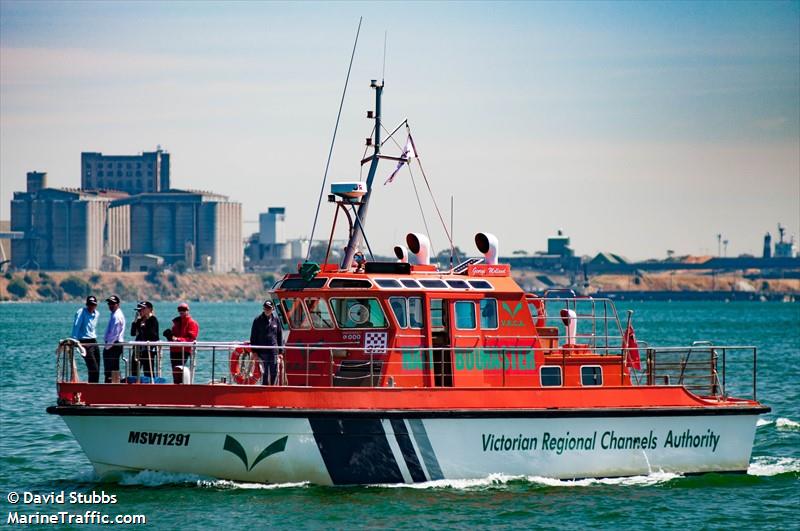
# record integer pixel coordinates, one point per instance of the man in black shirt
(267, 332)
(144, 328)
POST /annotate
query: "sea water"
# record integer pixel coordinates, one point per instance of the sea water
(40, 459)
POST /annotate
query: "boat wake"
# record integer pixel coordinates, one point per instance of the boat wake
(781, 423)
(152, 478)
(773, 466)
(502, 480)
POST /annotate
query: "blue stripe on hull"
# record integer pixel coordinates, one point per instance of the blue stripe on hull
(407, 449)
(425, 449)
(355, 451)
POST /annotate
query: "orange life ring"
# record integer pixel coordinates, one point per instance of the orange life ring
(245, 366)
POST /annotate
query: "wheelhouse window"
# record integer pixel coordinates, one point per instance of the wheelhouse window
(409, 283)
(296, 313)
(415, 312)
(387, 283)
(349, 283)
(399, 307)
(457, 284)
(432, 283)
(465, 315)
(319, 312)
(550, 376)
(407, 311)
(591, 375)
(488, 313)
(299, 283)
(358, 313)
(480, 284)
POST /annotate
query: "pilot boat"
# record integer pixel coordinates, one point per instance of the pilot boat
(404, 372)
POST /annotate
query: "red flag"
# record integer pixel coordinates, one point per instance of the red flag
(631, 348)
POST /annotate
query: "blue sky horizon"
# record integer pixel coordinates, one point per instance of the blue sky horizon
(634, 127)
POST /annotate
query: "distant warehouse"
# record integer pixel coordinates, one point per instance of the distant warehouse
(65, 228)
(134, 174)
(201, 229)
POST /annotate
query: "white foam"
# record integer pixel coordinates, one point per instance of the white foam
(763, 422)
(654, 478)
(152, 478)
(772, 466)
(499, 480)
(787, 424)
(227, 484)
(492, 480)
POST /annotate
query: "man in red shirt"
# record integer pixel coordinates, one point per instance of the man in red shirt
(184, 329)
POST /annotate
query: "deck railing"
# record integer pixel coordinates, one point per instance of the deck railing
(703, 369)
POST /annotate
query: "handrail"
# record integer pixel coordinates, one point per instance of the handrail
(695, 368)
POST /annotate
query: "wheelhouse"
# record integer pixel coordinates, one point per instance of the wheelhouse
(412, 326)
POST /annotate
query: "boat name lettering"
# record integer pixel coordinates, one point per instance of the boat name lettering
(158, 439)
(609, 440)
(477, 360)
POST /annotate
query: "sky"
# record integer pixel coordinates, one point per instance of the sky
(634, 127)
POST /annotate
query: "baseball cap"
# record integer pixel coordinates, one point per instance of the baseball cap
(268, 304)
(113, 299)
(91, 299)
(183, 306)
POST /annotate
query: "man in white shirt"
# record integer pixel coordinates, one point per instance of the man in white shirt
(114, 336)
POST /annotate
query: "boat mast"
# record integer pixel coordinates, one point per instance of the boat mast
(355, 237)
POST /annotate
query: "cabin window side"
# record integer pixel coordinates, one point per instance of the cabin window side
(399, 306)
(296, 313)
(591, 375)
(465, 315)
(488, 309)
(319, 312)
(358, 313)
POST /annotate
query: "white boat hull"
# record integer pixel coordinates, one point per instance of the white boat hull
(352, 448)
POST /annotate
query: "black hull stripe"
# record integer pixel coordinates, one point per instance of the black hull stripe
(425, 449)
(355, 451)
(172, 411)
(407, 449)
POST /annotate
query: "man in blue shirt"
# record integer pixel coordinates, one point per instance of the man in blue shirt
(114, 336)
(84, 329)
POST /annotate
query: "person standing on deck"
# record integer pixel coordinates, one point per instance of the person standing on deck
(84, 329)
(114, 336)
(144, 328)
(184, 329)
(267, 332)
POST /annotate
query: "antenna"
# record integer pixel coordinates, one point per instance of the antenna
(452, 247)
(383, 70)
(333, 140)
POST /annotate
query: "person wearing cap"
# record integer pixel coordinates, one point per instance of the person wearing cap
(267, 332)
(84, 329)
(184, 329)
(114, 336)
(144, 328)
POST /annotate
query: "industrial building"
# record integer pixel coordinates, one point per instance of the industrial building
(268, 248)
(134, 174)
(202, 229)
(66, 229)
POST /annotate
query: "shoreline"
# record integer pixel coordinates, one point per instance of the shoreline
(74, 286)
